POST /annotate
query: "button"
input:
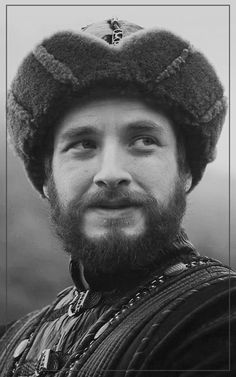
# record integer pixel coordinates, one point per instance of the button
(20, 348)
(48, 362)
(85, 300)
(176, 269)
(101, 330)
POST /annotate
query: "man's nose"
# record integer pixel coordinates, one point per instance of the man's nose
(112, 172)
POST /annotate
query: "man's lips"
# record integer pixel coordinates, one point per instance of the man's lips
(115, 210)
(114, 205)
(122, 212)
(107, 213)
(121, 216)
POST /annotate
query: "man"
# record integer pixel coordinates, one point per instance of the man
(115, 126)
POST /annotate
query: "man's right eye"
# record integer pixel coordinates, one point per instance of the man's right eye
(82, 145)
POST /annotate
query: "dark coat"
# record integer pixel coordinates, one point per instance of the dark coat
(174, 325)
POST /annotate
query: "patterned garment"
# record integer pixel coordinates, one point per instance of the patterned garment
(176, 322)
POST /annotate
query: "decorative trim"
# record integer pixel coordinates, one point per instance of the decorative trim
(60, 71)
(117, 33)
(176, 64)
(214, 110)
(24, 119)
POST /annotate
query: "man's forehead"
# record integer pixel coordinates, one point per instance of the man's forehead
(114, 110)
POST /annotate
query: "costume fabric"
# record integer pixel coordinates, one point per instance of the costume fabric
(176, 322)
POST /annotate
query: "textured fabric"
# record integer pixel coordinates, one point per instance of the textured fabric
(155, 63)
(180, 325)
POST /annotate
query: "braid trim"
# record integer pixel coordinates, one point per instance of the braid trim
(214, 110)
(60, 71)
(176, 64)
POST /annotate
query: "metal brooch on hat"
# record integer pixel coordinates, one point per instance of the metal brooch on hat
(117, 33)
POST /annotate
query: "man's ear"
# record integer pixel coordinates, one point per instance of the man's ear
(188, 182)
(45, 191)
(47, 173)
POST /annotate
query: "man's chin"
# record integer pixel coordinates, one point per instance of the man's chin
(111, 259)
(116, 252)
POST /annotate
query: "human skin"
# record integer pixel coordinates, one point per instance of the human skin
(114, 143)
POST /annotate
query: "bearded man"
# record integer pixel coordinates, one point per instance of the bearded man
(115, 126)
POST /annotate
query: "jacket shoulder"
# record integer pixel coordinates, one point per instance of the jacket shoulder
(14, 332)
(199, 333)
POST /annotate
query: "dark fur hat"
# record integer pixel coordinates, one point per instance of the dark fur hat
(156, 63)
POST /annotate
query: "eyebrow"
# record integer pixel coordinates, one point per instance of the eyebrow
(144, 126)
(78, 131)
(135, 126)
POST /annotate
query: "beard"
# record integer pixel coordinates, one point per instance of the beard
(116, 258)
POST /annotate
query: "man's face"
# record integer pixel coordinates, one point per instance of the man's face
(115, 176)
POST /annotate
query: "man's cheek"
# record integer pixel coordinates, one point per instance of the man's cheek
(72, 180)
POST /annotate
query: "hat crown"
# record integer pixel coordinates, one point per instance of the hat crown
(104, 29)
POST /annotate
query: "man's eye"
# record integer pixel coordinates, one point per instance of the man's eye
(144, 142)
(83, 145)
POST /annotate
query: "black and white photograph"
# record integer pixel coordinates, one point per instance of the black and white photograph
(117, 208)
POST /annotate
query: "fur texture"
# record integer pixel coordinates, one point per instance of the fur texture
(160, 64)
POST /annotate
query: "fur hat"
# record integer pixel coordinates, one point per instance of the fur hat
(114, 53)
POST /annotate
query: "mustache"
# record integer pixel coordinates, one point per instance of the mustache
(113, 198)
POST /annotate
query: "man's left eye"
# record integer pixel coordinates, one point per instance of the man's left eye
(143, 142)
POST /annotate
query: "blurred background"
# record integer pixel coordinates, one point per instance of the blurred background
(37, 268)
